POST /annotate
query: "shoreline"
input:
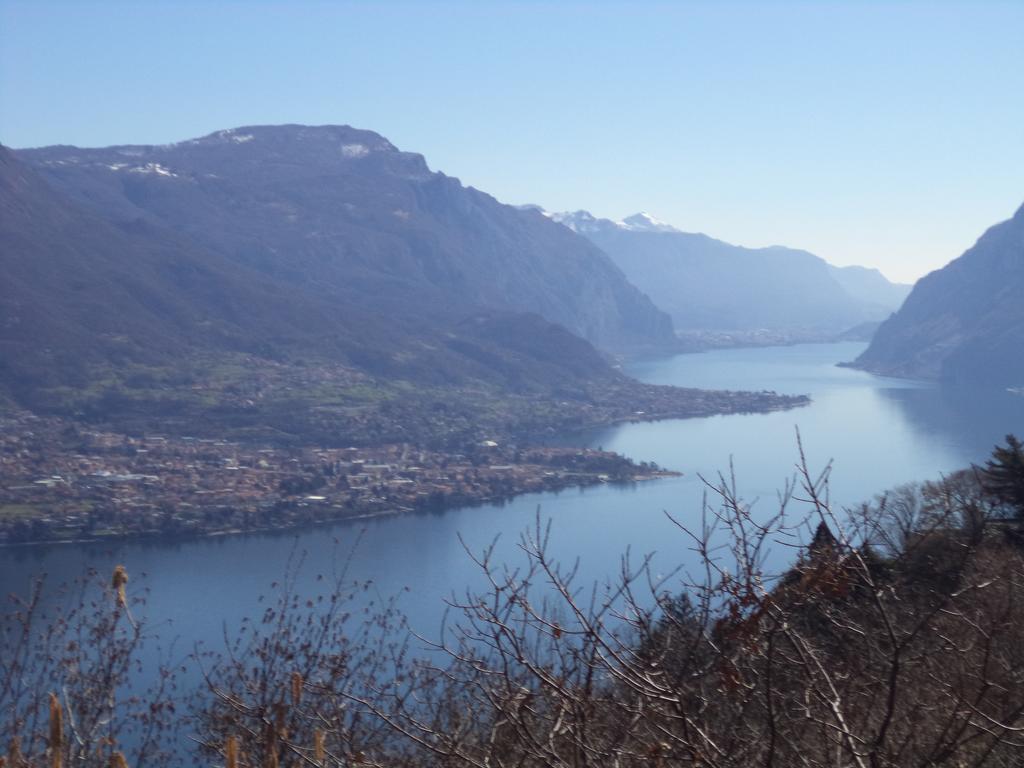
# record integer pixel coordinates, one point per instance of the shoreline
(67, 482)
(148, 536)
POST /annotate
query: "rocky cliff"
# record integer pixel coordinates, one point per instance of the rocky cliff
(963, 323)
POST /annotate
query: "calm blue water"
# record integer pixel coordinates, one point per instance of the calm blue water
(879, 432)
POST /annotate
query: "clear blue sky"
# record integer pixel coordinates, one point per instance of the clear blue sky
(886, 134)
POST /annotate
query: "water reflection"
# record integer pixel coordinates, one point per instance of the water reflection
(971, 419)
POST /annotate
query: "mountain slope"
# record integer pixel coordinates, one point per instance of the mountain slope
(78, 290)
(346, 217)
(85, 299)
(963, 323)
(707, 284)
(310, 286)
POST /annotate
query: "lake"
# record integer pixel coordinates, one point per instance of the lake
(878, 432)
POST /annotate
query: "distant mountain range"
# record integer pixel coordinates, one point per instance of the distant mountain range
(708, 284)
(963, 323)
(292, 242)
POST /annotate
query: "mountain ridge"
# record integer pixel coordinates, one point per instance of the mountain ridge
(83, 294)
(709, 284)
(351, 214)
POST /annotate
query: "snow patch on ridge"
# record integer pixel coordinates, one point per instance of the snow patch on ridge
(353, 151)
(156, 168)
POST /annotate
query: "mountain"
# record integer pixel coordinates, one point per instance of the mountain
(871, 287)
(79, 290)
(343, 216)
(963, 323)
(88, 301)
(134, 322)
(708, 284)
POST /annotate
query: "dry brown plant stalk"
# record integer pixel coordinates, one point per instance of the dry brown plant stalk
(319, 752)
(118, 582)
(14, 755)
(231, 752)
(56, 732)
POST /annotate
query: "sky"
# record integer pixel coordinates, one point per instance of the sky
(884, 134)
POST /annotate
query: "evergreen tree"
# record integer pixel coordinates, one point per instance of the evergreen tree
(1003, 475)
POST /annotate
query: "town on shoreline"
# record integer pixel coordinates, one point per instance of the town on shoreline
(59, 482)
(64, 479)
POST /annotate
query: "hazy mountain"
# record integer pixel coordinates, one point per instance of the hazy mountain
(871, 287)
(344, 216)
(964, 322)
(708, 284)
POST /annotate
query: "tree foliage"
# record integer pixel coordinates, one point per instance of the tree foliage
(1004, 474)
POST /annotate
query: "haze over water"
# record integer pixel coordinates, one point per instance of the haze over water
(880, 433)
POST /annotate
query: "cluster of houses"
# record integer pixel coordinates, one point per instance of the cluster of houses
(60, 482)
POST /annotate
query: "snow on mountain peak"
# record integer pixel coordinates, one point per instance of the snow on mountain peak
(583, 222)
(644, 222)
(572, 216)
(577, 221)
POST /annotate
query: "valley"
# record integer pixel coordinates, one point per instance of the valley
(215, 335)
(246, 320)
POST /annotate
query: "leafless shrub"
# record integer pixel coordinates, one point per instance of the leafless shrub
(281, 692)
(66, 678)
(849, 659)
